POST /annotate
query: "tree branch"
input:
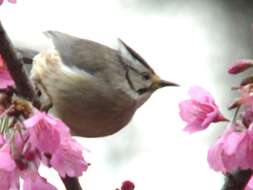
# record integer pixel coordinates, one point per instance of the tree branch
(15, 67)
(71, 183)
(24, 86)
(237, 180)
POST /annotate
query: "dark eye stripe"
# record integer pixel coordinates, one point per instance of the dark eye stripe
(139, 91)
(137, 56)
(129, 80)
(127, 68)
(142, 90)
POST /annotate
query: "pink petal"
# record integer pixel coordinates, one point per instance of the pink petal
(200, 111)
(9, 181)
(201, 95)
(185, 113)
(217, 157)
(51, 135)
(44, 135)
(6, 161)
(193, 128)
(62, 128)
(35, 119)
(37, 183)
(2, 141)
(249, 185)
(68, 159)
(5, 79)
(240, 66)
(12, 1)
(232, 142)
(214, 158)
(212, 117)
(232, 151)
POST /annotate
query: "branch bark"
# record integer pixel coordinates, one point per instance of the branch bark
(71, 183)
(15, 67)
(237, 180)
(24, 86)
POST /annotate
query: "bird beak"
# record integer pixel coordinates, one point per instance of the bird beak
(159, 83)
(164, 83)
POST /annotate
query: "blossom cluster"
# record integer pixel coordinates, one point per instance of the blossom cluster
(234, 149)
(30, 138)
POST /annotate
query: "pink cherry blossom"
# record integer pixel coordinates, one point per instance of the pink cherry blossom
(240, 66)
(5, 78)
(8, 176)
(233, 150)
(200, 111)
(68, 160)
(51, 135)
(68, 148)
(43, 139)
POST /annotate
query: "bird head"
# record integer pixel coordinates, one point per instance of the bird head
(141, 77)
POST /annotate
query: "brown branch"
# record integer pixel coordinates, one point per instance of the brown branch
(237, 180)
(24, 86)
(71, 183)
(15, 67)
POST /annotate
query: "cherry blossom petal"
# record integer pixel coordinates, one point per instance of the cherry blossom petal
(43, 134)
(37, 183)
(68, 159)
(200, 111)
(6, 161)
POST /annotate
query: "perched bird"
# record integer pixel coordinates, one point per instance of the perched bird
(94, 89)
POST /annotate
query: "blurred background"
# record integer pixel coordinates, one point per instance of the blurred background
(191, 42)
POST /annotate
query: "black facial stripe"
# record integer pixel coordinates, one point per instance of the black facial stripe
(127, 68)
(142, 90)
(139, 91)
(129, 80)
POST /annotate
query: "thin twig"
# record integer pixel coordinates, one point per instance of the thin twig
(237, 180)
(24, 86)
(15, 67)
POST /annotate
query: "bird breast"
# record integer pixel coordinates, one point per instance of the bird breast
(89, 105)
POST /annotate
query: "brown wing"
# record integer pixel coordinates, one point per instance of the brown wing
(84, 54)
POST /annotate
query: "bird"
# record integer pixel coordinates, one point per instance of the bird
(94, 89)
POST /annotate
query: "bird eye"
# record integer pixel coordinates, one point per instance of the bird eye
(145, 76)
